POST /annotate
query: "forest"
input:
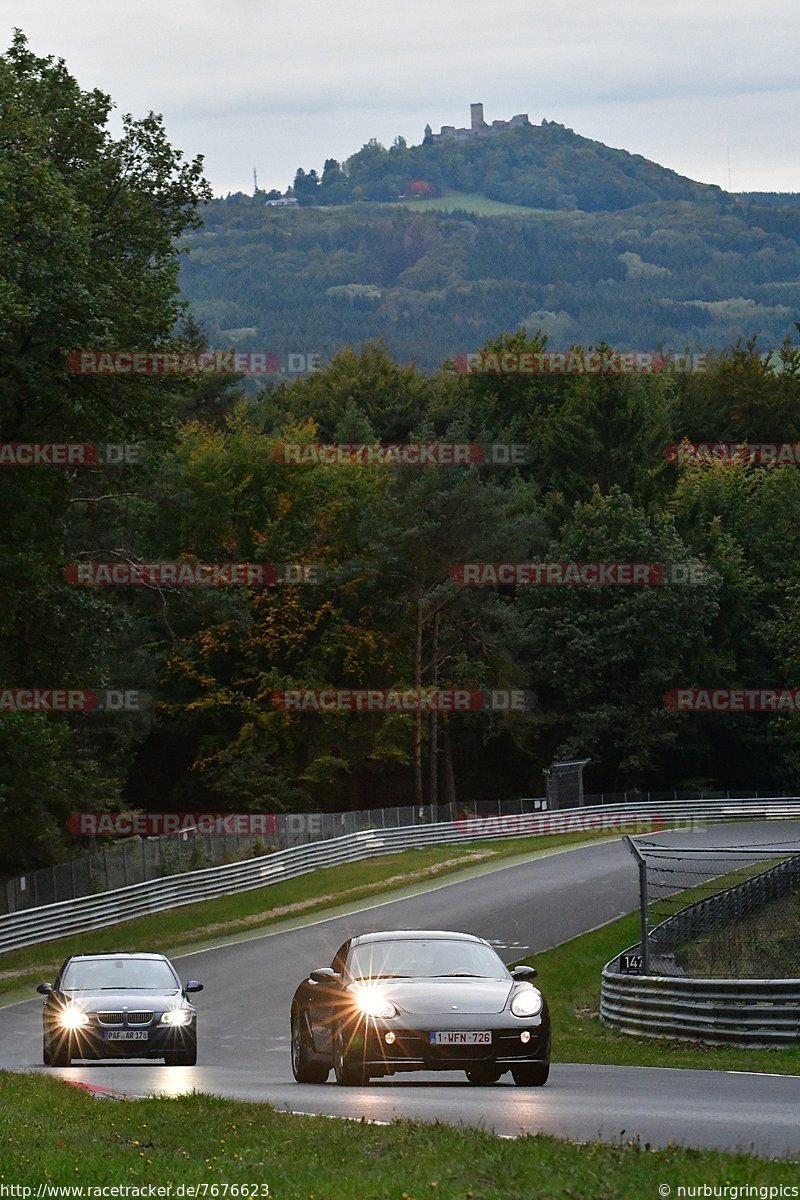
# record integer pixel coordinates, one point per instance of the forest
(92, 232)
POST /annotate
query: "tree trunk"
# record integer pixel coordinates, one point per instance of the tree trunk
(418, 715)
(449, 776)
(434, 751)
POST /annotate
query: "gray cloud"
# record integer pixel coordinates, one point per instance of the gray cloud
(250, 84)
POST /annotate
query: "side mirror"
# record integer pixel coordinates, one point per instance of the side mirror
(44, 989)
(523, 972)
(193, 986)
(324, 975)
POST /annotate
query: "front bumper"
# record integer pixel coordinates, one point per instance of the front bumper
(411, 1047)
(90, 1041)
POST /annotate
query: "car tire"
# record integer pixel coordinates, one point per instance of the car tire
(185, 1057)
(307, 1067)
(348, 1070)
(531, 1074)
(481, 1076)
(56, 1054)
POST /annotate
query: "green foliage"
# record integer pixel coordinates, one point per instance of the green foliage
(89, 230)
(433, 284)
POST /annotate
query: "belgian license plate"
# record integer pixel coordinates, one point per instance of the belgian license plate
(461, 1037)
(125, 1035)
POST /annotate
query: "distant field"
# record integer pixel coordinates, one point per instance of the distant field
(473, 202)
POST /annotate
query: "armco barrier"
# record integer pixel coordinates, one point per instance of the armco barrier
(752, 1012)
(118, 864)
(32, 926)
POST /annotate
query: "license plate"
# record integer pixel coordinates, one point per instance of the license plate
(125, 1035)
(461, 1037)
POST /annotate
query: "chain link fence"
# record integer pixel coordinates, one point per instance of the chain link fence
(686, 893)
(136, 860)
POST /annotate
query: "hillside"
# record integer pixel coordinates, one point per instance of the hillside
(539, 166)
(685, 265)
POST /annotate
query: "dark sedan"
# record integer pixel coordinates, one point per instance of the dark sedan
(118, 1005)
(419, 1001)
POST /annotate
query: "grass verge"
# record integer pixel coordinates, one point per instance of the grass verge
(570, 977)
(251, 912)
(50, 1132)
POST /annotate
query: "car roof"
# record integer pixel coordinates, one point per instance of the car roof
(399, 935)
(119, 954)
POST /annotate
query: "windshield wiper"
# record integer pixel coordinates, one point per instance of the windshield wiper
(371, 978)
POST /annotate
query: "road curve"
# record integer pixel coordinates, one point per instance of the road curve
(522, 909)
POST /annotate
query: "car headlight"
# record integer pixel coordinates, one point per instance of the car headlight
(72, 1017)
(527, 1003)
(373, 1003)
(176, 1016)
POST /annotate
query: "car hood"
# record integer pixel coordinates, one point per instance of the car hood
(137, 1001)
(432, 995)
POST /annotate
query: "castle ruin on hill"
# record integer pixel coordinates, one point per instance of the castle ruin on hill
(478, 127)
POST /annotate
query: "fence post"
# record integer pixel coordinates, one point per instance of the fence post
(643, 915)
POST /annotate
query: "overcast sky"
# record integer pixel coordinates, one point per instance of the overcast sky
(710, 88)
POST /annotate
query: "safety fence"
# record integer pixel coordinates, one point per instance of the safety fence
(138, 859)
(664, 1002)
(46, 922)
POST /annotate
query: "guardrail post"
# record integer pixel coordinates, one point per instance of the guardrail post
(643, 914)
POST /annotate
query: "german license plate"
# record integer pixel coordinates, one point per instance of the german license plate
(461, 1037)
(125, 1035)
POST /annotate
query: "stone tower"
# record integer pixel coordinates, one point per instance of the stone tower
(476, 112)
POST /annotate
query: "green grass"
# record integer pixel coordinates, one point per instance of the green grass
(569, 976)
(474, 202)
(292, 901)
(50, 1132)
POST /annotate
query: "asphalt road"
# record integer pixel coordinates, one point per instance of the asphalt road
(522, 909)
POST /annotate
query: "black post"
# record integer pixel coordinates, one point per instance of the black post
(641, 862)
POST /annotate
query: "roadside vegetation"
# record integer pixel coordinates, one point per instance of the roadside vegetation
(765, 945)
(51, 1132)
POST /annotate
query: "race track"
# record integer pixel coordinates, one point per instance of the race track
(244, 1010)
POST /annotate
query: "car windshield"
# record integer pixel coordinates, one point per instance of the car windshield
(106, 974)
(414, 957)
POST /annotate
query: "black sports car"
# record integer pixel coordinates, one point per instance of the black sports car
(419, 1001)
(118, 1005)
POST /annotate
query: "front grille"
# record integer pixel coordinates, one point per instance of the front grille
(118, 1018)
(110, 1018)
(140, 1018)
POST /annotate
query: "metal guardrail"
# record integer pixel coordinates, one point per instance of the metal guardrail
(753, 1012)
(117, 864)
(42, 924)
